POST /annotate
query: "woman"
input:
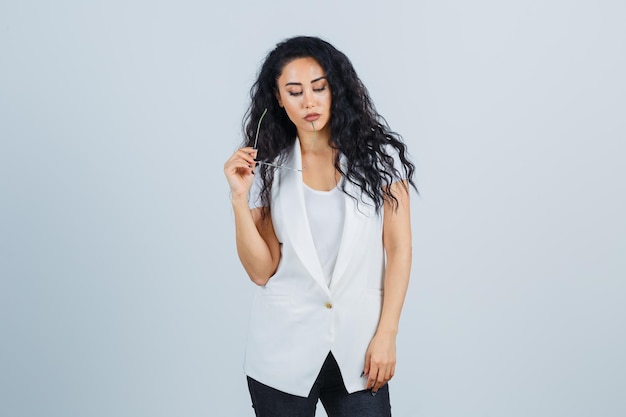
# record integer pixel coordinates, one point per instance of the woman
(320, 193)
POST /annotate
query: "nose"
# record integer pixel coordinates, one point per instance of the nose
(309, 99)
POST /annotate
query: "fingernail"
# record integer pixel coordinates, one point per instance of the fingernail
(373, 394)
(362, 373)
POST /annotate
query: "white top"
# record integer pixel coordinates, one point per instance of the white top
(325, 211)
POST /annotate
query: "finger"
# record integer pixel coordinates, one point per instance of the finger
(372, 377)
(246, 156)
(250, 151)
(245, 153)
(239, 170)
(380, 381)
(234, 166)
(389, 372)
(366, 368)
(237, 162)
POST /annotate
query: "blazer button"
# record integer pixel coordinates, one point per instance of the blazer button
(329, 305)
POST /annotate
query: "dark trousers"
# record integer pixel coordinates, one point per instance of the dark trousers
(329, 389)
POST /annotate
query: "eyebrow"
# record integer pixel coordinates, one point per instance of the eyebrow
(323, 77)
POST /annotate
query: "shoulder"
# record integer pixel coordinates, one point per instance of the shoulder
(391, 162)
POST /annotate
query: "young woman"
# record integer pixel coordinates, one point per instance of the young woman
(320, 193)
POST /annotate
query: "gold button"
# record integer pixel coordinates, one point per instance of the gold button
(329, 305)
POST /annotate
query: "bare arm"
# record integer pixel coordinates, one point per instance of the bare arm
(257, 245)
(381, 357)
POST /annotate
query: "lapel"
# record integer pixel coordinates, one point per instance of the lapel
(295, 219)
(353, 225)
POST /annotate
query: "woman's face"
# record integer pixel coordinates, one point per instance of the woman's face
(304, 93)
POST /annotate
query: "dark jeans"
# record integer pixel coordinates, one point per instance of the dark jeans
(329, 389)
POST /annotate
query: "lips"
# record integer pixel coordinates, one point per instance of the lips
(311, 117)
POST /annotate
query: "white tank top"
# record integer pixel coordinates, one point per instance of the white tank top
(325, 211)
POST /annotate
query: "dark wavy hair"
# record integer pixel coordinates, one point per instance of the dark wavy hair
(357, 130)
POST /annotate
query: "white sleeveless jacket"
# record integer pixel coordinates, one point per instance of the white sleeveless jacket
(296, 320)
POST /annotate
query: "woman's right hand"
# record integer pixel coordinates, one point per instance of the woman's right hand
(239, 171)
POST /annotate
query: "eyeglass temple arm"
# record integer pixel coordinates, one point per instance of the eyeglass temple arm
(258, 128)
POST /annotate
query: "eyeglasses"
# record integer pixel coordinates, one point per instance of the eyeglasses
(256, 139)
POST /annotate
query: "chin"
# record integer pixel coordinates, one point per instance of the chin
(318, 126)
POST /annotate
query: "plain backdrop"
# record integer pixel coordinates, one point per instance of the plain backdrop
(120, 290)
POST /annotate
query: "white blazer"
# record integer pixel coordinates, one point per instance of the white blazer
(296, 319)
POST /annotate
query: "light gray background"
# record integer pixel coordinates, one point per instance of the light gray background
(120, 290)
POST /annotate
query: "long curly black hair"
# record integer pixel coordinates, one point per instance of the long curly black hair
(357, 130)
